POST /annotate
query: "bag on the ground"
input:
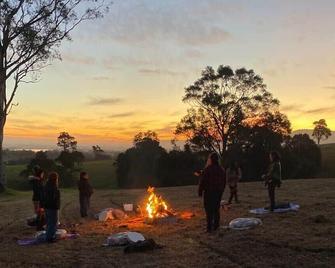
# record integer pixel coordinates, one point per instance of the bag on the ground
(244, 223)
(111, 214)
(142, 246)
(124, 238)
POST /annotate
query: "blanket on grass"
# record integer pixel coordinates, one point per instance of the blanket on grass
(279, 209)
(35, 241)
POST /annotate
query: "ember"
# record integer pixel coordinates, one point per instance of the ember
(156, 207)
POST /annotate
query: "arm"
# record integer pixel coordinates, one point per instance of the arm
(57, 199)
(239, 174)
(202, 183)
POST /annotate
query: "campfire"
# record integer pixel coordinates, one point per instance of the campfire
(156, 207)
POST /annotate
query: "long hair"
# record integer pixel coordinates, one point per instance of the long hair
(52, 182)
(214, 158)
(38, 171)
(83, 175)
(275, 156)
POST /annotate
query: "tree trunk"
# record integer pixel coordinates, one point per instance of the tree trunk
(2, 167)
(2, 125)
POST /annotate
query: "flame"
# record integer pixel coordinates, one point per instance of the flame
(156, 206)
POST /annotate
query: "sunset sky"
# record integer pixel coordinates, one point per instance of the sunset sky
(127, 72)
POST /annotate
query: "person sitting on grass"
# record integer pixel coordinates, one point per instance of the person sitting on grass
(273, 177)
(37, 186)
(85, 192)
(211, 187)
(52, 205)
(233, 176)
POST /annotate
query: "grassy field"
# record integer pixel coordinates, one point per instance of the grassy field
(301, 239)
(102, 174)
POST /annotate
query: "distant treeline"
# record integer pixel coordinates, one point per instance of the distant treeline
(147, 163)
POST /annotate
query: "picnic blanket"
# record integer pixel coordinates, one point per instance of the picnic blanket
(279, 209)
(40, 238)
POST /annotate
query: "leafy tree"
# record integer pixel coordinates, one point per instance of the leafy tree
(321, 131)
(41, 159)
(99, 153)
(302, 157)
(253, 142)
(136, 166)
(31, 33)
(66, 142)
(221, 102)
(177, 167)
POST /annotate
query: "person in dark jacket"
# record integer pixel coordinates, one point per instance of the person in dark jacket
(52, 205)
(273, 177)
(211, 187)
(85, 192)
(36, 182)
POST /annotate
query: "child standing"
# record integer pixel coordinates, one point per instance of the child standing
(273, 177)
(211, 187)
(52, 205)
(85, 193)
(233, 176)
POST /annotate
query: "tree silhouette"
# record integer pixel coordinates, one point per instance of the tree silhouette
(30, 35)
(221, 102)
(66, 142)
(321, 131)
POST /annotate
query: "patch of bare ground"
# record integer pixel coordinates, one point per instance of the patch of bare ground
(302, 239)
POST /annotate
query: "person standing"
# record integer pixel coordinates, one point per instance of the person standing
(52, 205)
(273, 178)
(36, 182)
(233, 176)
(85, 193)
(211, 187)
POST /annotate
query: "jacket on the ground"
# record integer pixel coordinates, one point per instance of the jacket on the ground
(37, 187)
(84, 187)
(51, 198)
(213, 179)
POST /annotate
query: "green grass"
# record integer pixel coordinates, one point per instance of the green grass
(14, 180)
(102, 175)
(328, 160)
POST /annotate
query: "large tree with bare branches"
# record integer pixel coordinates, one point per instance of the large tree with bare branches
(31, 32)
(223, 101)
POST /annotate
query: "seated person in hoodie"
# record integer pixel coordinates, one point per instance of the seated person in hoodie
(85, 192)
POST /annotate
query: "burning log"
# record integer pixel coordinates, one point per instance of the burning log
(157, 210)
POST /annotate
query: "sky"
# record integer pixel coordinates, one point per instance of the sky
(127, 72)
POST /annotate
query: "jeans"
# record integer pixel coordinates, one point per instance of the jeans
(52, 220)
(212, 203)
(84, 205)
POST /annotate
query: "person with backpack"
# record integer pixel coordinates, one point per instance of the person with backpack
(85, 193)
(211, 187)
(233, 176)
(273, 177)
(52, 205)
